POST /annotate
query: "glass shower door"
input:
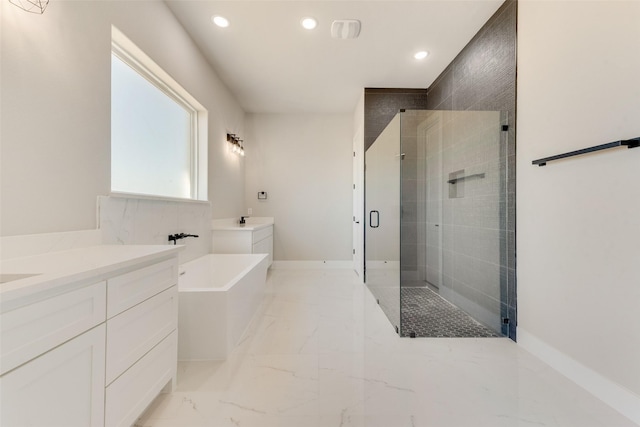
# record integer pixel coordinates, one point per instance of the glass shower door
(382, 220)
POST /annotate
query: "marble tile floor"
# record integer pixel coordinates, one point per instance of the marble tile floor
(322, 354)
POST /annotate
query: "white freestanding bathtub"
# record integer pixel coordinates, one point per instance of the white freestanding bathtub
(218, 296)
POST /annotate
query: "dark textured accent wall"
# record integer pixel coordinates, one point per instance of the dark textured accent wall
(483, 77)
(381, 105)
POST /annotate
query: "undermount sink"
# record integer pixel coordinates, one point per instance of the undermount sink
(9, 277)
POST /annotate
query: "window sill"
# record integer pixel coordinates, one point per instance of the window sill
(157, 198)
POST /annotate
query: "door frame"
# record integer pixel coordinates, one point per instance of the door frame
(358, 204)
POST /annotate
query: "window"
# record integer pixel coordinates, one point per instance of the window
(158, 130)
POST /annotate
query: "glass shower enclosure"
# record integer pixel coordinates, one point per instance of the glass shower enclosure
(436, 223)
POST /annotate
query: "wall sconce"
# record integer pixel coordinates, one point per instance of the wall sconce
(33, 6)
(237, 145)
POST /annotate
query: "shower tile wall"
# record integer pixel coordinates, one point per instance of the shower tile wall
(483, 78)
(471, 214)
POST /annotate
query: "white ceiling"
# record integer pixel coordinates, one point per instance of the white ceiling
(272, 65)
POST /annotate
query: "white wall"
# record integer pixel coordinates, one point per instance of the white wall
(579, 219)
(56, 109)
(303, 162)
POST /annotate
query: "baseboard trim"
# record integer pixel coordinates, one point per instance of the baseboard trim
(619, 398)
(311, 265)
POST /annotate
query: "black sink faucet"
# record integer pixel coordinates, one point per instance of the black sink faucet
(175, 237)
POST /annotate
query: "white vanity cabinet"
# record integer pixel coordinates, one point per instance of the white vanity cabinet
(89, 352)
(250, 239)
(53, 356)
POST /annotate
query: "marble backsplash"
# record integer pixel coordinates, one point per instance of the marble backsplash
(135, 221)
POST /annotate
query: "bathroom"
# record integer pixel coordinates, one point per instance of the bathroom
(55, 168)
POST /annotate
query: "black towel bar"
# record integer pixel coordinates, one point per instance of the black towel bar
(630, 143)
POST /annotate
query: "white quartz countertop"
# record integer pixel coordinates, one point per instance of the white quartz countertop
(232, 224)
(51, 270)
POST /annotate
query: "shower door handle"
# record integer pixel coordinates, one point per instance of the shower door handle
(371, 219)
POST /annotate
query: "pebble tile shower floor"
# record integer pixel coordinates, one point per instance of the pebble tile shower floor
(427, 314)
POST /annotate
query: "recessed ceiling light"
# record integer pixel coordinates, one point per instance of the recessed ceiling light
(220, 21)
(421, 55)
(308, 23)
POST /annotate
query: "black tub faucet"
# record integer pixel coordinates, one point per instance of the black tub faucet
(175, 237)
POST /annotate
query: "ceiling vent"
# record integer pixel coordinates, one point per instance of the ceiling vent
(345, 29)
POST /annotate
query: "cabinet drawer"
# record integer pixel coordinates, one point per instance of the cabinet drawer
(32, 330)
(134, 332)
(129, 289)
(262, 234)
(129, 395)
